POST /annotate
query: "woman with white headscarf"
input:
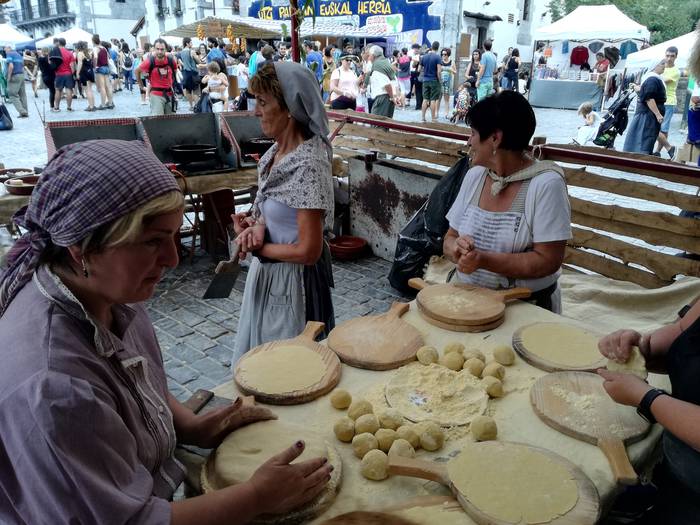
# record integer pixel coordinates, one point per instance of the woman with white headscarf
(649, 114)
(290, 276)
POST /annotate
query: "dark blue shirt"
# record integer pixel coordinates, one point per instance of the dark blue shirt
(18, 62)
(214, 54)
(430, 62)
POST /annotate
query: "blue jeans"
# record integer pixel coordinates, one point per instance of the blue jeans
(128, 79)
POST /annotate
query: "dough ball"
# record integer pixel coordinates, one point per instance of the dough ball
(360, 408)
(504, 355)
(636, 364)
(473, 354)
(427, 355)
(474, 366)
(363, 443)
(483, 428)
(391, 418)
(366, 423)
(402, 448)
(453, 360)
(493, 386)
(410, 435)
(340, 398)
(432, 437)
(344, 429)
(375, 465)
(385, 438)
(453, 347)
(493, 369)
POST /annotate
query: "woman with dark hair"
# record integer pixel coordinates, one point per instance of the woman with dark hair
(511, 220)
(290, 277)
(511, 72)
(345, 84)
(473, 72)
(328, 68)
(85, 73)
(447, 74)
(100, 61)
(126, 64)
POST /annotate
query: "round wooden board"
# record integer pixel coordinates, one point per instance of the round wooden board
(377, 342)
(329, 380)
(464, 304)
(460, 327)
(317, 506)
(585, 512)
(542, 363)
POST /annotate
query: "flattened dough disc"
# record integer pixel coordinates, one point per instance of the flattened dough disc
(558, 346)
(245, 449)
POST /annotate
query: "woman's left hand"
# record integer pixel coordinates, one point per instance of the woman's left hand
(469, 262)
(208, 430)
(251, 239)
(626, 389)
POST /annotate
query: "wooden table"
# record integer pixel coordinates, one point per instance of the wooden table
(203, 184)
(513, 413)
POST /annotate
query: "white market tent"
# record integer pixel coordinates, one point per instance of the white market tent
(9, 35)
(72, 36)
(603, 22)
(649, 57)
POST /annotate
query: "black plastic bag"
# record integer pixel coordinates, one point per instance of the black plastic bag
(203, 105)
(5, 118)
(423, 235)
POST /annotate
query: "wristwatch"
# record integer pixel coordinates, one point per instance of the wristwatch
(644, 408)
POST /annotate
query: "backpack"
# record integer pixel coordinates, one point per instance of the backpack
(170, 64)
(128, 62)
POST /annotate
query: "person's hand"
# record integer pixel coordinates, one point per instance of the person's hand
(251, 239)
(280, 487)
(209, 429)
(240, 222)
(476, 84)
(463, 245)
(469, 262)
(626, 389)
(695, 100)
(618, 345)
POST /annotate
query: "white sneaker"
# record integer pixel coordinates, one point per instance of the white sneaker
(144, 103)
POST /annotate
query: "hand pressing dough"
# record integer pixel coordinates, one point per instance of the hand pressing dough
(504, 355)
(493, 386)
(391, 419)
(474, 354)
(636, 365)
(344, 429)
(402, 448)
(432, 438)
(360, 408)
(366, 423)
(453, 361)
(427, 355)
(562, 344)
(363, 443)
(483, 428)
(375, 465)
(474, 366)
(385, 438)
(340, 398)
(453, 347)
(282, 369)
(494, 369)
(492, 477)
(407, 433)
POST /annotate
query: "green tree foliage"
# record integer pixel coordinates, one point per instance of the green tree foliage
(665, 19)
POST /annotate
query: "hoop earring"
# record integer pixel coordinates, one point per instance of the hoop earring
(85, 271)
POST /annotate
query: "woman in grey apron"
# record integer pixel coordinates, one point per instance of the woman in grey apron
(672, 350)
(290, 276)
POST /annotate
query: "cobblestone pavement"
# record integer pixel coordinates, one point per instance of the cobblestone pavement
(197, 335)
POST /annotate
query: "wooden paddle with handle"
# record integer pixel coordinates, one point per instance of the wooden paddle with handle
(377, 342)
(576, 404)
(464, 304)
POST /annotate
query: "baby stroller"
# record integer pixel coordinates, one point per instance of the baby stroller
(615, 121)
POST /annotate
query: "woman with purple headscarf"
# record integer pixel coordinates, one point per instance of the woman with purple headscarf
(87, 427)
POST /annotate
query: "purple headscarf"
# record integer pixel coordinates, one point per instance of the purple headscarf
(84, 186)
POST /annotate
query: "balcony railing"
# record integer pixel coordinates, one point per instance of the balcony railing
(42, 12)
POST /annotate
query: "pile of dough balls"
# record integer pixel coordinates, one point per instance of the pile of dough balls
(376, 437)
(456, 357)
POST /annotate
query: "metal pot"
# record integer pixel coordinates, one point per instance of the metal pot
(186, 153)
(258, 145)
